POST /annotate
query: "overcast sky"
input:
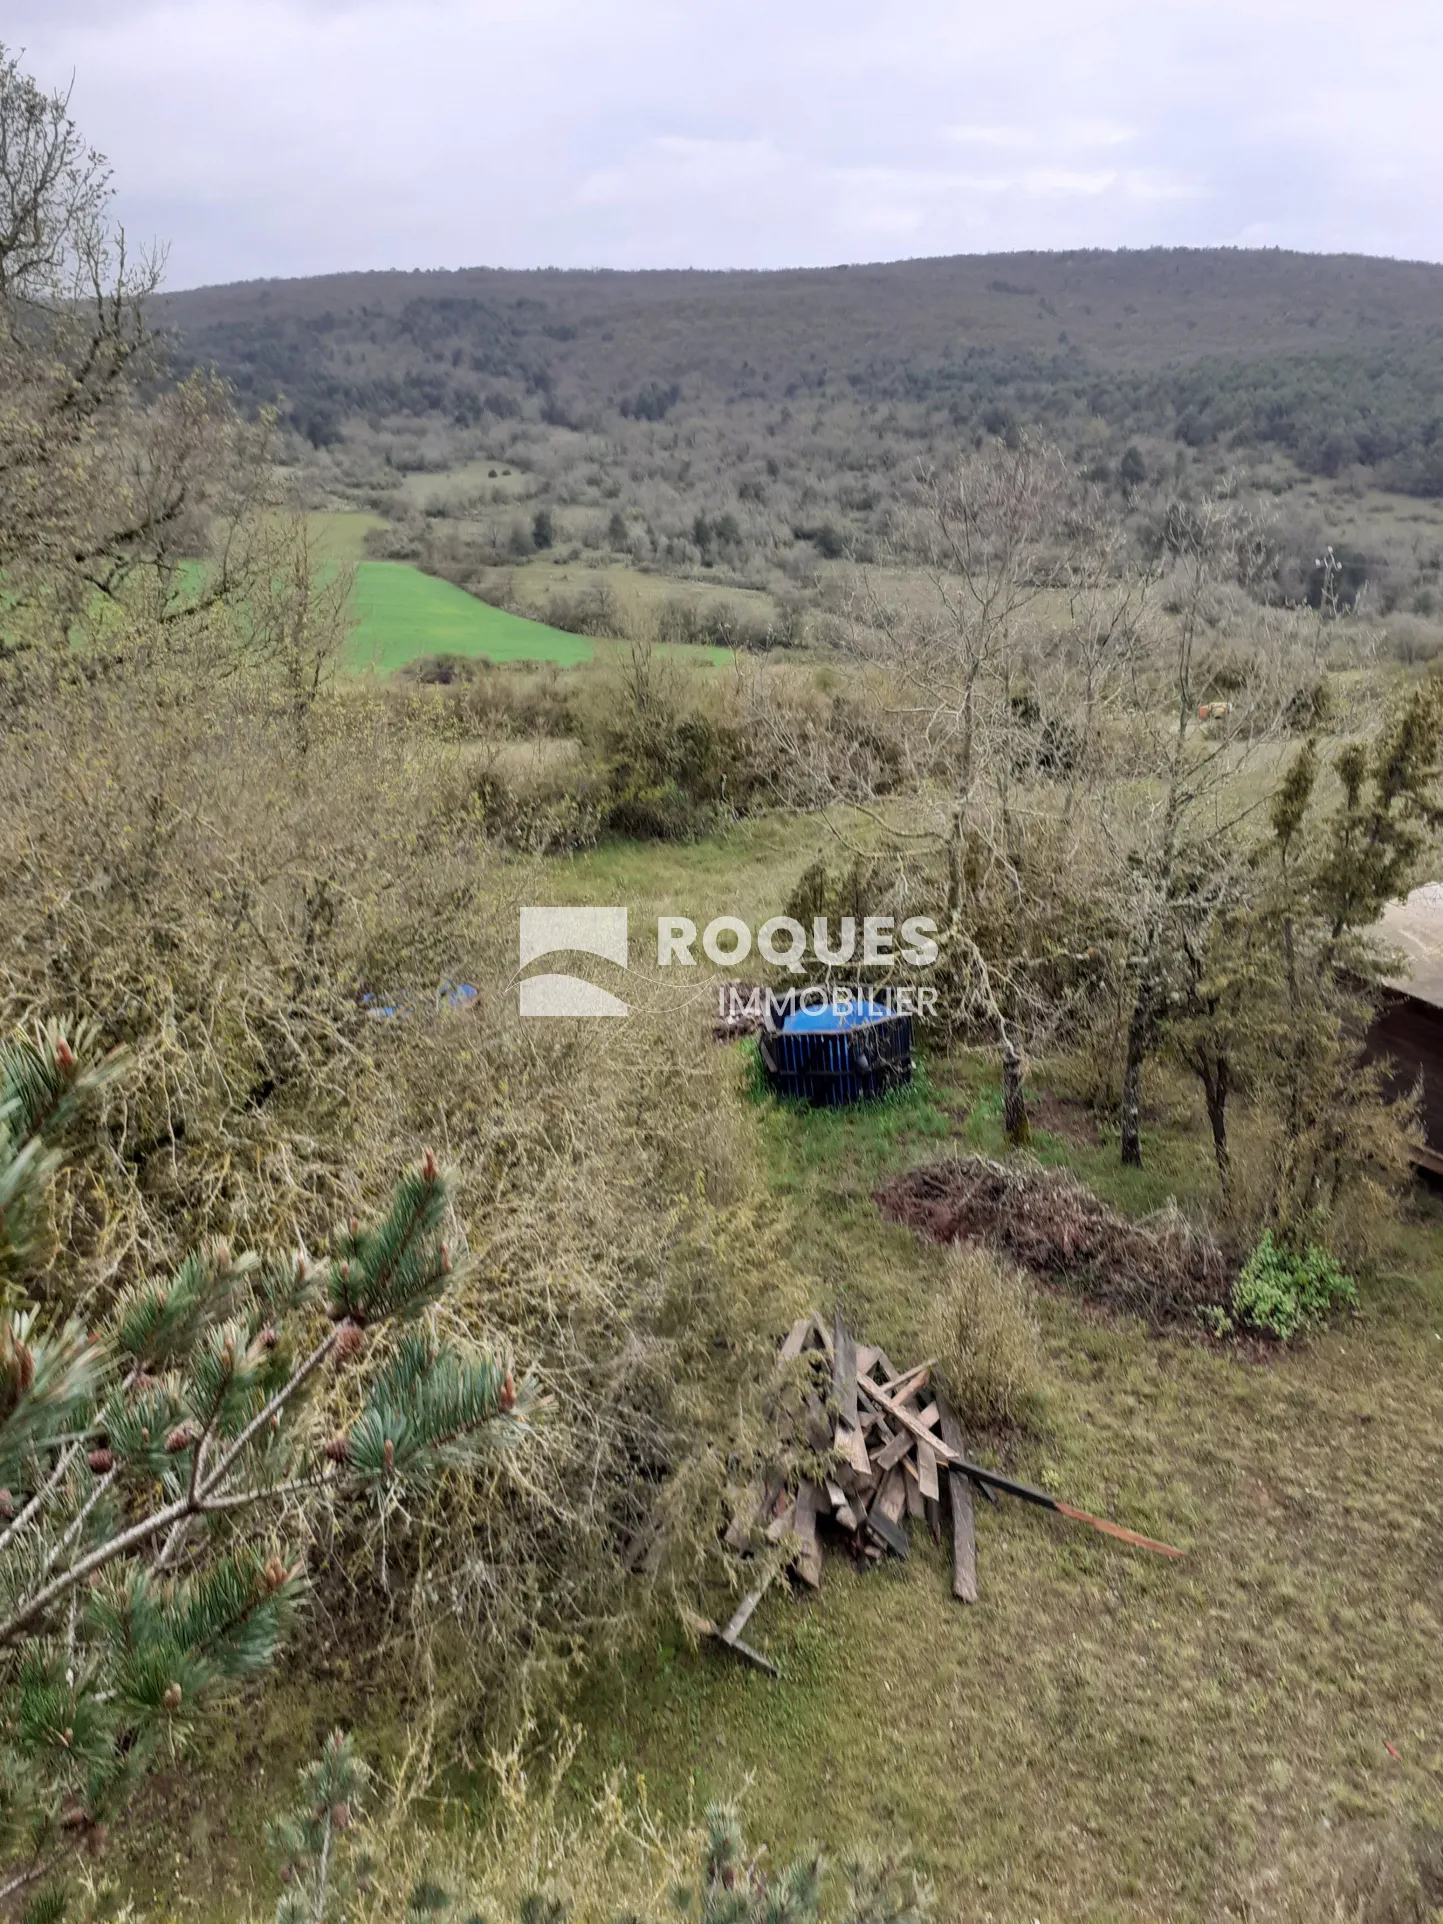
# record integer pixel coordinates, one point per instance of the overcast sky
(281, 137)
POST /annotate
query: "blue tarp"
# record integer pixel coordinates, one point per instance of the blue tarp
(832, 1020)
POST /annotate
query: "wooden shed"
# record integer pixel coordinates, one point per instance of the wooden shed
(1409, 1025)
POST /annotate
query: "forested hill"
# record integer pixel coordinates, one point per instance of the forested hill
(1334, 360)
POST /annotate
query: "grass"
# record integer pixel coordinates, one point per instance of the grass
(403, 614)
(1105, 1736)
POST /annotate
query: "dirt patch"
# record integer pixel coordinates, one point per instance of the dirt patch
(1074, 1122)
(1163, 1268)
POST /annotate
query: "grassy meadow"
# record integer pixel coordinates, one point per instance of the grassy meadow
(403, 614)
(1105, 1736)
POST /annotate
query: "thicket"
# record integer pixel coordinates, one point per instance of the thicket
(261, 885)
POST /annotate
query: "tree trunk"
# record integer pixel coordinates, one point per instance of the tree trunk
(1015, 1123)
(1215, 1088)
(1139, 1033)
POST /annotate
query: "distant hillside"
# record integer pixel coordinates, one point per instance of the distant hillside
(1333, 361)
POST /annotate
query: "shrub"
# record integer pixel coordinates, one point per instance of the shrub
(984, 1335)
(542, 1860)
(1280, 1292)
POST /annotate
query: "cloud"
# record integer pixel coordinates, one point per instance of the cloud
(299, 136)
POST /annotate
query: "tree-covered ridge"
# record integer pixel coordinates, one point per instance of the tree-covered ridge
(1335, 363)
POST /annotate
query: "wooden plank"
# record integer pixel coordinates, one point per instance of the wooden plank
(809, 1556)
(866, 1358)
(822, 1333)
(902, 1444)
(913, 1495)
(905, 1386)
(929, 1418)
(781, 1524)
(934, 1519)
(844, 1373)
(796, 1336)
(927, 1471)
(964, 1526)
(888, 1532)
(745, 1608)
(891, 1498)
(908, 1420)
(752, 1656)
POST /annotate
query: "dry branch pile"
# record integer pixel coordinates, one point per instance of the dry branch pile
(1165, 1268)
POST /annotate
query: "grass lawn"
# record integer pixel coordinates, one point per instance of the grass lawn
(1105, 1735)
(404, 614)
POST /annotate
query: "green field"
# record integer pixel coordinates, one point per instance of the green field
(403, 614)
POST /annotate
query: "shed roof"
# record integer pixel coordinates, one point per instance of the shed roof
(1415, 926)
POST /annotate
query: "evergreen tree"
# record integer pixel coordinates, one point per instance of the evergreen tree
(305, 1841)
(146, 1459)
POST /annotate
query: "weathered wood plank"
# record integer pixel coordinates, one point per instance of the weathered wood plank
(964, 1526)
(902, 1444)
(781, 1524)
(844, 1372)
(745, 1608)
(913, 1494)
(796, 1336)
(891, 1498)
(888, 1532)
(908, 1420)
(909, 1382)
(927, 1471)
(809, 1556)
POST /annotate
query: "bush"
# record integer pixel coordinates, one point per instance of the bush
(1280, 1292)
(545, 1858)
(984, 1335)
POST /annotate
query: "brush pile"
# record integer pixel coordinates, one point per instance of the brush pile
(876, 1447)
(1164, 1269)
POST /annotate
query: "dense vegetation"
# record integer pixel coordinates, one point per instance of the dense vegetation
(1065, 693)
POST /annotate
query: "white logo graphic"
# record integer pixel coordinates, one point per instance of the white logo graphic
(584, 931)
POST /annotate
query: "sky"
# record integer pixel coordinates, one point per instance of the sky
(289, 137)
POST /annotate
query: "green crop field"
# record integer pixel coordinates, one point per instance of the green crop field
(403, 614)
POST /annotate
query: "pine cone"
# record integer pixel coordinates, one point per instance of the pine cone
(350, 1342)
(338, 1449)
(388, 1454)
(508, 1392)
(101, 1460)
(172, 1696)
(428, 1166)
(7, 1506)
(180, 1438)
(340, 1816)
(274, 1574)
(64, 1056)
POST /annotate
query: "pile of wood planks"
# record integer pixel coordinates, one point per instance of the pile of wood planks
(894, 1433)
(894, 1452)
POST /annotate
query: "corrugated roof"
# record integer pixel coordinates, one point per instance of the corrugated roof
(1416, 927)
